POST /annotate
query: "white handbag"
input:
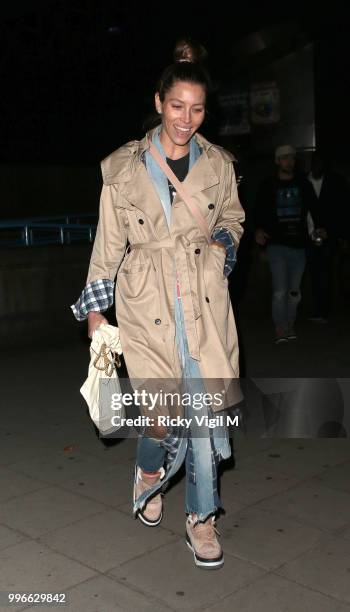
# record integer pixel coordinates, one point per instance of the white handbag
(102, 382)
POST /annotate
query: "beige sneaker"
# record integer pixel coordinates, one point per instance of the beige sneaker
(152, 513)
(201, 539)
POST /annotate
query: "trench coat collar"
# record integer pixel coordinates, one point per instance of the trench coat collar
(126, 167)
(202, 175)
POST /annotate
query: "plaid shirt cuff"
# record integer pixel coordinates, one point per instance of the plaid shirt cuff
(97, 296)
(221, 234)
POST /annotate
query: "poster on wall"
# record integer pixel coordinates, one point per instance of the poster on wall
(235, 113)
(265, 103)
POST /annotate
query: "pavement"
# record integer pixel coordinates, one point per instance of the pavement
(66, 523)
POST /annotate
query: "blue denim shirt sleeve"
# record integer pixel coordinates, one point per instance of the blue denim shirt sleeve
(221, 234)
(97, 296)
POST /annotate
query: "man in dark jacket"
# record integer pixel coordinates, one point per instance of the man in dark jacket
(282, 205)
(333, 200)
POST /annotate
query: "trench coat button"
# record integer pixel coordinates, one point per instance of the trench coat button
(197, 251)
(207, 300)
(141, 221)
(211, 206)
(157, 321)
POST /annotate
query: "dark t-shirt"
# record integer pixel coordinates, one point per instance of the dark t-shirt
(180, 169)
(289, 210)
(282, 208)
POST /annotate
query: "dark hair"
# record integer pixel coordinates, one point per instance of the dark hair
(188, 66)
(319, 159)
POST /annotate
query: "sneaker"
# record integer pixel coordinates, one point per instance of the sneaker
(152, 513)
(201, 539)
(281, 336)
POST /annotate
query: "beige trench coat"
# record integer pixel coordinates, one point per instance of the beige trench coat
(131, 212)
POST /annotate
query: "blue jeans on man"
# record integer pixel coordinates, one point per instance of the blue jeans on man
(287, 266)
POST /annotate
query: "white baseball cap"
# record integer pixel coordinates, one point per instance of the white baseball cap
(284, 150)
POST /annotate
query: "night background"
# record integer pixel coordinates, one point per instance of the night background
(78, 77)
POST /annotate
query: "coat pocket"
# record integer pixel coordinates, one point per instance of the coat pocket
(138, 301)
(133, 280)
(214, 277)
(218, 257)
(216, 290)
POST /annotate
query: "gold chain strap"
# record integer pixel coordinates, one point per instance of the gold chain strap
(108, 364)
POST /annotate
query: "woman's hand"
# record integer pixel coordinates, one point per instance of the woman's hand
(94, 321)
(217, 243)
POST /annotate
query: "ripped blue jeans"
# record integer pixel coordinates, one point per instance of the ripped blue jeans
(287, 268)
(200, 447)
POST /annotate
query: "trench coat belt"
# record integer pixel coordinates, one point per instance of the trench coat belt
(186, 270)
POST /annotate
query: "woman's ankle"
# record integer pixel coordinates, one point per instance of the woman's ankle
(150, 477)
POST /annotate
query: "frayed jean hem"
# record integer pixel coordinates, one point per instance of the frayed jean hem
(202, 516)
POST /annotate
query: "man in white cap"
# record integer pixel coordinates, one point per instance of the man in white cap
(282, 205)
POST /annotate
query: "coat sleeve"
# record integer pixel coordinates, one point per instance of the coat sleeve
(311, 204)
(232, 214)
(110, 240)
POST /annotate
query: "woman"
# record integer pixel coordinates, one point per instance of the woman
(172, 303)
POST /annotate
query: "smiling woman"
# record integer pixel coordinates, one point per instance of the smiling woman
(172, 302)
(183, 111)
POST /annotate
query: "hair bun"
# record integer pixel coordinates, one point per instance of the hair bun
(187, 50)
